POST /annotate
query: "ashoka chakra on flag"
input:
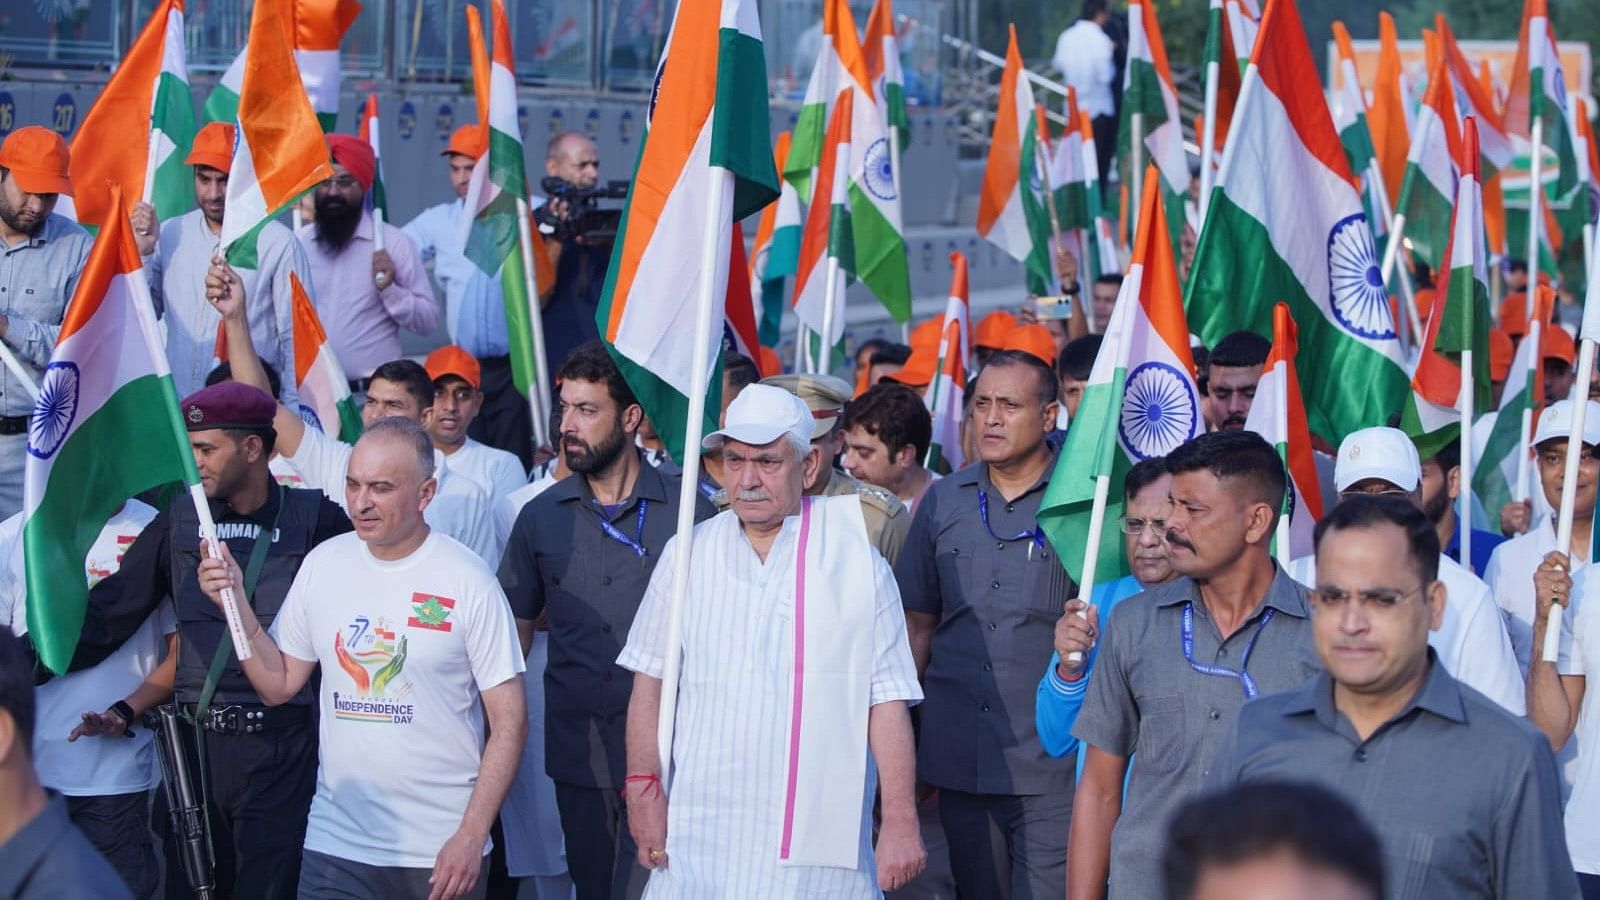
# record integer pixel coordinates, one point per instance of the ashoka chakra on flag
(1360, 303)
(55, 410)
(1159, 411)
(879, 173)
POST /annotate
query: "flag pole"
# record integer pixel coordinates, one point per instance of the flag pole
(1569, 484)
(1208, 140)
(1282, 535)
(1102, 489)
(711, 245)
(19, 372)
(1519, 491)
(1136, 173)
(830, 295)
(800, 364)
(1464, 404)
(1535, 207)
(1381, 199)
(1043, 167)
(540, 381)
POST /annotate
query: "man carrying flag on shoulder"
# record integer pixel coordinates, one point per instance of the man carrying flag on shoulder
(257, 761)
(176, 254)
(367, 295)
(42, 254)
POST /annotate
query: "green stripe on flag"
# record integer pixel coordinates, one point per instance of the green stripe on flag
(172, 194)
(222, 105)
(1091, 450)
(736, 143)
(880, 255)
(519, 321)
(87, 485)
(1347, 385)
(1039, 268)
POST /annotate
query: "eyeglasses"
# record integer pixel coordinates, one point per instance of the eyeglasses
(1133, 526)
(343, 182)
(1381, 598)
(767, 464)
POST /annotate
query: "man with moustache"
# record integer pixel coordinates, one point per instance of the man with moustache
(580, 556)
(177, 254)
(1179, 661)
(364, 295)
(41, 256)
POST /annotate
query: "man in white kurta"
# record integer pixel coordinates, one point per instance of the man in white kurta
(747, 752)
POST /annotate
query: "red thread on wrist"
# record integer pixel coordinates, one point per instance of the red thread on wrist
(650, 781)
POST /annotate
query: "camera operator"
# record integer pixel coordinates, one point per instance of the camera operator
(579, 262)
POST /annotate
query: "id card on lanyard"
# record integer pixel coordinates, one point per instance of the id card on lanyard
(1245, 681)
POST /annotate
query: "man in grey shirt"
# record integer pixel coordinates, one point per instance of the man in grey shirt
(1464, 796)
(982, 593)
(1178, 661)
(41, 258)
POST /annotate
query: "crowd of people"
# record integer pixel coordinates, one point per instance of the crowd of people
(877, 674)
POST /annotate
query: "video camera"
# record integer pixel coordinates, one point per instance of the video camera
(586, 219)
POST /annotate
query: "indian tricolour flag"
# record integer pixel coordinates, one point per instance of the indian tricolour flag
(1244, 21)
(1285, 222)
(1011, 214)
(1140, 402)
(1278, 414)
(378, 198)
(1429, 187)
(946, 395)
(880, 248)
(1102, 258)
(1349, 109)
(148, 94)
(826, 259)
(491, 233)
(1458, 323)
(776, 254)
(1389, 114)
(325, 400)
(1477, 100)
(1147, 88)
(316, 28)
(105, 428)
(708, 122)
(1068, 180)
(279, 152)
(882, 50)
(1494, 479)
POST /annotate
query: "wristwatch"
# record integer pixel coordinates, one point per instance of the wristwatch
(124, 712)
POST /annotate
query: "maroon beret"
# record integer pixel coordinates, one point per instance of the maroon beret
(228, 404)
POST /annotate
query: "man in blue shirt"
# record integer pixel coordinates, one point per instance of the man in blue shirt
(1144, 529)
(1441, 486)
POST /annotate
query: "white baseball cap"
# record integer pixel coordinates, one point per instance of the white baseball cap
(1556, 422)
(762, 414)
(1383, 453)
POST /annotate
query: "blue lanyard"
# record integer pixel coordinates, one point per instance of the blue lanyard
(634, 543)
(1244, 661)
(1036, 535)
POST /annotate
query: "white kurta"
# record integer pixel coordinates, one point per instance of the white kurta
(725, 816)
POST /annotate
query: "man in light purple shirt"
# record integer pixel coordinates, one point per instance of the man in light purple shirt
(364, 295)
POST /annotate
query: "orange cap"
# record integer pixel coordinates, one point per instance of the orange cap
(1034, 339)
(927, 334)
(38, 160)
(1514, 314)
(467, 141)
(213, 147)
(993, 329)
(1555, 343)
(452, 360)
(1500, 353)
(919, 368)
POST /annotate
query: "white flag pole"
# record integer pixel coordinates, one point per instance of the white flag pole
(830, 295)
(1280, 415)
(537, 391)
(1115, 344)
(1136, 174)
(1520, 490)
(713, 259)
(1464, 404)
(1208, 140)
(1569, 484)
(19, 372)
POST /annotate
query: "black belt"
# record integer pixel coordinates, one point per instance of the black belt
(359, 385)
(10, 425)
(250, 718)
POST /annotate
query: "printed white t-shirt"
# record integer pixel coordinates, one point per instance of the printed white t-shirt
(1580, 655)
(405, 648)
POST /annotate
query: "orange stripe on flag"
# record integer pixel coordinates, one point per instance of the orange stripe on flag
(321, 24)
(503, 55)
(112, 143)
(838, 22)
(282, 131)
(1386, 115)
(114, 253)
(480, 67)
(684, 100)
(1287, 73)
(819, 217)
(1005, 143)
(1302, 461)
(1162, 296)
(308, 334)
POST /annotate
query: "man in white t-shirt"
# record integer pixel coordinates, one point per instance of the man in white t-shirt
(400, 387)
(83, 754)
(1086, 58)
(1513, 563)
(1560, 703)
(412, 631)
(1471, 638)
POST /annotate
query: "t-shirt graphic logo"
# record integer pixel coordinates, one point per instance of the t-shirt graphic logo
(431, 611)
(371, 657)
